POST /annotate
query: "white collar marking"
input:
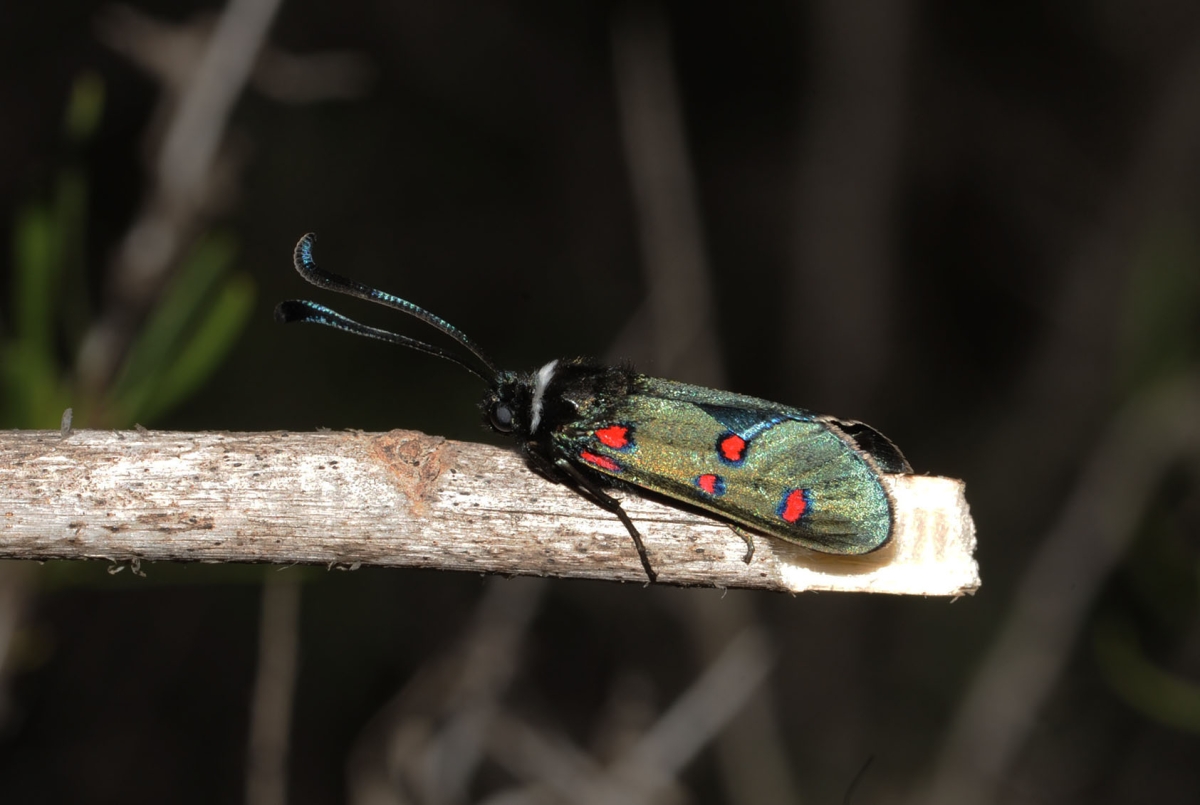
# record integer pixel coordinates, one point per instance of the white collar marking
(539, 391)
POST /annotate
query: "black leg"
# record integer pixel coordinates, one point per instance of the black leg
(609, 503)
(748, 539)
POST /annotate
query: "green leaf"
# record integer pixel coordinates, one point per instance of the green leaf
(33, 396)
(85, 107)
(207, 347)
(37, 260)
(1160, 332)
(165, 332)
(1158, 694)
(30, 378)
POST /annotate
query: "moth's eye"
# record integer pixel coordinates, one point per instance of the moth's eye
(502, 418)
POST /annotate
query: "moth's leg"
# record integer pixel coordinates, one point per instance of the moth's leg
(609, 503)
(546, 468)
(748, 538)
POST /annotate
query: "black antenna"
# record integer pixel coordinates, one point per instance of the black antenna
(304, 311)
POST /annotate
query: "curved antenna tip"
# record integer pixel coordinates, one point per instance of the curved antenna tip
(302, 254)
(288, 312)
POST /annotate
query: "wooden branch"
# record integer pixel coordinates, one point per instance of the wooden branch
(405, 499)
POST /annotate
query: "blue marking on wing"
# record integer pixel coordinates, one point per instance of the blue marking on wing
(745, 422)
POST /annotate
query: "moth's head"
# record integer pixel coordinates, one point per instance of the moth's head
(516, 403)
(506, 404)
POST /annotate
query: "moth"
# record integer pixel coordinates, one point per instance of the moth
(807, 478)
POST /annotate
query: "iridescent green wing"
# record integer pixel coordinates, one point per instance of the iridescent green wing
(782, 471)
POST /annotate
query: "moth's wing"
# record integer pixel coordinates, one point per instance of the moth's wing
(798, 477)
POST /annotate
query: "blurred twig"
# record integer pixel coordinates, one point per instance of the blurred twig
(555, 771)
(755, 765)
(841, 291)
(186, 183)
(274, 684)
(679, 305)
(702, 711)
(425, 745)
(1098, 521)
(173, 52)
(16, 578)
(189, 147)
(1073, 367)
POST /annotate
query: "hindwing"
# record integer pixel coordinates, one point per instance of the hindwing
(783, 471)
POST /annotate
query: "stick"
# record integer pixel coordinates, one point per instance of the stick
(404, 499)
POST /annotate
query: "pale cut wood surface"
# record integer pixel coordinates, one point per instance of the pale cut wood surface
(405, 499)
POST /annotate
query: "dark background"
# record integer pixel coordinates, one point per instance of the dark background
(971, 225)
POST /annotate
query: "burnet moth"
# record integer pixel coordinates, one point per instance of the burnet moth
(806, 478)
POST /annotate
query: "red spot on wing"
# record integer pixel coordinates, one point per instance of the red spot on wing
(614, 436)
(712, 485)
(794, 505)
(603, 462)
(732, 447)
